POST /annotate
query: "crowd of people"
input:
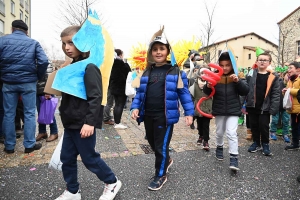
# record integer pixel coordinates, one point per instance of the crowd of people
(259, 95)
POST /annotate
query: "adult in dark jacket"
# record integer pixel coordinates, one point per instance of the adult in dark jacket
(22, 62)
(40, 93)
(117, 83)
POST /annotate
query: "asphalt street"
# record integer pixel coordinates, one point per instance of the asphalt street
(194, 175)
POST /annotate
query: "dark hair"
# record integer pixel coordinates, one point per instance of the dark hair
(224, 56)
(296, 64)
(119, 52)
(167, 46)
(265, 54)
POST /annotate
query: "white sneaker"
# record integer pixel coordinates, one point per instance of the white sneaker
(120, 126)
(110, 191)
(69, 196)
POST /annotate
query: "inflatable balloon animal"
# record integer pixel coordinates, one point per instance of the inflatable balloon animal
(213, 79)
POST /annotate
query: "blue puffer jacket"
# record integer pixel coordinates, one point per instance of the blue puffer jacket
(22, 59)
(172, 94)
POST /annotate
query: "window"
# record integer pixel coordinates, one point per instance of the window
(26, 20)
(21, 14)
(249, 56)
(298, 48)
(12, 7)
(1, 28)
(22, 3)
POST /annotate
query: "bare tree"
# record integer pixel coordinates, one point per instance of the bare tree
(52, 52)
(207, 30)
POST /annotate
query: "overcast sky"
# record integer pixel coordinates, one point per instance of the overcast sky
(130, 22)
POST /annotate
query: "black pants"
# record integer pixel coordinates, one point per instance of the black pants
(203, 127)
(295, 123)
(248, 122)
(259, 124)
(120, 101)
(159, 136)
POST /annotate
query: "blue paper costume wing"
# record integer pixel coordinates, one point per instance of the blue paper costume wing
(233, 62)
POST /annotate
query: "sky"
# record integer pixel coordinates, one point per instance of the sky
(132, 22)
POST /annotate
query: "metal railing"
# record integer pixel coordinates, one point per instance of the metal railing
(2, 7)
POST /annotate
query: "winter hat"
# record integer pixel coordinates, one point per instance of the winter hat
(19, 24)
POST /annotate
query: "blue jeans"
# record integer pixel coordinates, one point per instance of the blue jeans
(42, 127)
(285, 117)
(11, 93)
(1, 113)
(73, 145)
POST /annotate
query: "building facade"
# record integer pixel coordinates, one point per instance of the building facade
(11, 10)
(243, 47)
(289, 34)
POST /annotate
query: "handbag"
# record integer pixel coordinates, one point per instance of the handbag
(55, 162)
(129, 90)
(287, 100)
(47, 110)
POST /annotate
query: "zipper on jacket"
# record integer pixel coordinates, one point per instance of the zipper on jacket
(166, 95)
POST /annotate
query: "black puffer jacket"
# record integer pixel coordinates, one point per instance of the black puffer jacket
(226, 101)
(40, 86)
(117, 81)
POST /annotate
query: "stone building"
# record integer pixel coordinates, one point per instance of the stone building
(243, 48)
(289, 34)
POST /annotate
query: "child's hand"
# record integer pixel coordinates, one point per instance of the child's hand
(188, 120)
(47, 96)
(284, 90)
(234, 77)
(86, 131)
(209, 85)
(135, 114)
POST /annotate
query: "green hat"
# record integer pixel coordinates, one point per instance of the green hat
(259, 51)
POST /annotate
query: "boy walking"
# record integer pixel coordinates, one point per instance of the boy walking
(262, 101)
(80, 119)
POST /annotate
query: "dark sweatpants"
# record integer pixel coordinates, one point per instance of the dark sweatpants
(159, 136)
(203, 127)
(259, 124)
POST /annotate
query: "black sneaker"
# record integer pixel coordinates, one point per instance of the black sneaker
(266, 149)
(298, 179)
(35, 147)
(291, 147)
(206, 146)
(157, 183)
(18, 135)
(8, 151)
(199, 141)
(169, 165)
(192, 126)
(234, 163)
(219, 153)
(254, 147)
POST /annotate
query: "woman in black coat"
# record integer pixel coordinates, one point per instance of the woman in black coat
(117, 85)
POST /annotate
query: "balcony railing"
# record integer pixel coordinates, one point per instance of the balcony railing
(22, 3)
(26, 7)
(2, 7)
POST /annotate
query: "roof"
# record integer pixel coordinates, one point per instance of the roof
(234, 38)
(289, 15)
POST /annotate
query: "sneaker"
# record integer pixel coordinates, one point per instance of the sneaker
(157, 182)
(286, 138)
(234, 163)
(249, 135)
(291, 147)
(35, 147)
(69, 196)
(206, 146)
(219, 153)
(254, 148)
(8, 151)
(170, 164)
(298, 179)
(273, 136)
(120, 126)
(109, 122)
(192, 126)
(266, 149)
(199, 141)
(111, 190)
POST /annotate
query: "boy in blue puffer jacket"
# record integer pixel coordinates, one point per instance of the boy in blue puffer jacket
(156, 103)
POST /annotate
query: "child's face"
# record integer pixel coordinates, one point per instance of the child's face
(159, 53)
(292, 70)
(226, 65)
(69, 48)
(263, 61)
